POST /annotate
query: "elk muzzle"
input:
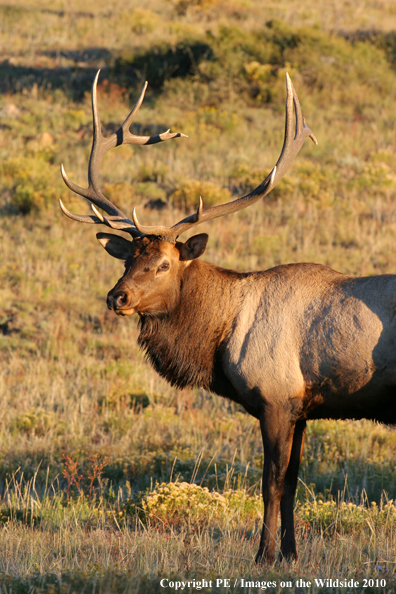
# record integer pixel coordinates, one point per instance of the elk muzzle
(120, 301)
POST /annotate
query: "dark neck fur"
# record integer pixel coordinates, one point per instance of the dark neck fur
(185, 345)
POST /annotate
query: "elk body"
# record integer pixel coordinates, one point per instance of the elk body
(289, 344)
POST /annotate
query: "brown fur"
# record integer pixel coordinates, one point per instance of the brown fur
(171, 341)
(185, 345)
(293, 343)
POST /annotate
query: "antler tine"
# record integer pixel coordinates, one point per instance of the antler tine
(129, 138)
(116, 223)
(294, 135)
(100, 146)
(110, 221)
(79, 218)
(163, 232)
(293, 141)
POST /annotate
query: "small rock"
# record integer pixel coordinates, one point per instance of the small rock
(11, 110)
(46, 138)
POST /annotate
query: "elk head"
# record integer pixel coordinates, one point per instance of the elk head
(155, 260)
(153, 271)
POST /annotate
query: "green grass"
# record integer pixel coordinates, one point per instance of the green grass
(88, 432)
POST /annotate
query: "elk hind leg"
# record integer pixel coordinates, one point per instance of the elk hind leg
(277, 431)
(288, 542)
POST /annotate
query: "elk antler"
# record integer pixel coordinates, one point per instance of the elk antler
(293, 141)
(100, 146)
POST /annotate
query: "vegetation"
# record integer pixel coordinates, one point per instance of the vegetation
(111, 480)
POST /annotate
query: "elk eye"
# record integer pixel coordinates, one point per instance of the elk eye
(164, 266)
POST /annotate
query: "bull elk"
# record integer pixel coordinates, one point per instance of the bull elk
(293, 343)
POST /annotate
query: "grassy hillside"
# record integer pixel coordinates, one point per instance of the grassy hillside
(88, 432)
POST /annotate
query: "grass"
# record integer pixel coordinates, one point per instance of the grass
(111, 480)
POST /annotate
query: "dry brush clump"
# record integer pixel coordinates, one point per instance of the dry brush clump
(186, 505)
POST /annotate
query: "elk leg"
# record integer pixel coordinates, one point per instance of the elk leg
(288, 543)
(277, 432)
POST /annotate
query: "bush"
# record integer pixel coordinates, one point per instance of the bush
(229, 65)
(346, 517)
(29, 183)
(161, 63)
(186, 196)
(184, 504)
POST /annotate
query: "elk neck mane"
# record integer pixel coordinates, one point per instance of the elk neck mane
(185, 345)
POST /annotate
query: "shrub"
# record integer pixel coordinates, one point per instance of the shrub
(143, 21)
(328, 516)
(185, 504)
(229, 65)
(161, 63)
(186, 196)
(29, 182)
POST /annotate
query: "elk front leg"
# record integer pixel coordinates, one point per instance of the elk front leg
(277, 430)
(288, 542)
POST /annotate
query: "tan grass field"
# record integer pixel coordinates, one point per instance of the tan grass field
(88, 432)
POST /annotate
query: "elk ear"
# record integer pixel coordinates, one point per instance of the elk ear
(193, 247)
(116, 246)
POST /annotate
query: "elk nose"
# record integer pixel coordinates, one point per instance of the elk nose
(117, 300)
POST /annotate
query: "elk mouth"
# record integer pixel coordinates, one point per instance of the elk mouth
(128, 311)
